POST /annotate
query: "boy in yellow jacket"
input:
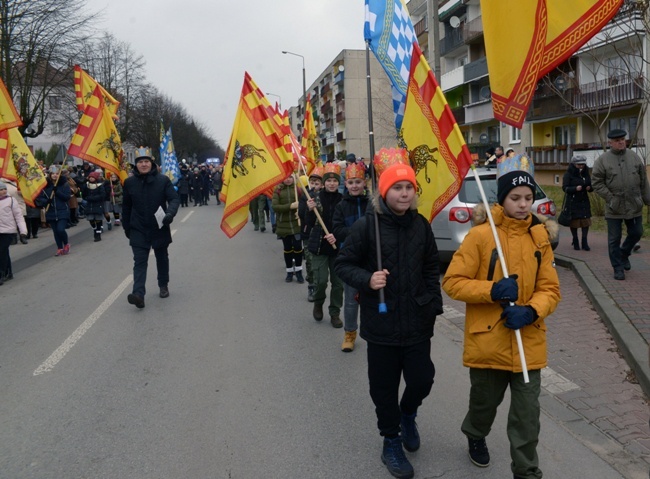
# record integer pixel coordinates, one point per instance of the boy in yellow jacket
(496, 306)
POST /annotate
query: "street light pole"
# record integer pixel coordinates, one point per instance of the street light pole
(279, 98)
(304, 84)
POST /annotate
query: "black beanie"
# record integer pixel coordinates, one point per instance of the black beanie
(512, 180)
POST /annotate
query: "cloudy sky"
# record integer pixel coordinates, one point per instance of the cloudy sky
(198, 50)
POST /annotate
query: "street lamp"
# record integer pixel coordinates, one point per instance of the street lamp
(304, 83)
(279, 98)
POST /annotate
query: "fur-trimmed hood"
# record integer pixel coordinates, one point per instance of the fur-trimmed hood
(479, 216)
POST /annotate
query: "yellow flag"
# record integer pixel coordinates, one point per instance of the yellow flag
(437, 149)
(309, 141)
(84, 88)
(256, 160)
(18, 164)
(96, 139)
(9, 117)
(540, 35)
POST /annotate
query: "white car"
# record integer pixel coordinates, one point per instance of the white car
(452, 224)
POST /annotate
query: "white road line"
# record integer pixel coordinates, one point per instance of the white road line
(552, 381)
(190, 213)
(67, 345)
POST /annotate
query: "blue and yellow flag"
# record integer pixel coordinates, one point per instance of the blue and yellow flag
(168, 160)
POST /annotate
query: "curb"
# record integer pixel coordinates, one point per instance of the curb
(630, 342)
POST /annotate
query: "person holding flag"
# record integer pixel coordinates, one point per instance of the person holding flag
(496, 306)
(399, 340)
(54, 198)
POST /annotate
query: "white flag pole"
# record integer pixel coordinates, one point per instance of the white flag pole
(520, 344)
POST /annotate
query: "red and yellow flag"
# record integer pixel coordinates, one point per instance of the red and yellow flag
(9, 117)
(540, 35)
(18, 164)
(309, 141)
(84, 88)
(257, 158)
(96, 139)
(437, 149)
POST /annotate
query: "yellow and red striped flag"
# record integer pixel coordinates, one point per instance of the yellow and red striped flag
(437, 149)
(96, 139)
(84, 88)
(257, 158)
(9, 117)
(540, 35)
(309, 141)
(18, 164)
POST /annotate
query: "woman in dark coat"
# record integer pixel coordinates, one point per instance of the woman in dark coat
(576, 184)
(94, 193)
(55, 198)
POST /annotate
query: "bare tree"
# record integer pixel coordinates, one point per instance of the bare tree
(38, 40)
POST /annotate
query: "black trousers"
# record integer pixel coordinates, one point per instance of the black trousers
(140, 263)
(386, 366)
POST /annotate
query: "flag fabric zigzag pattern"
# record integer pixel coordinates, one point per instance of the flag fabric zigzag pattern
(84, 87)
(437, 149)
(18, 164)
(541, 35)
(389, 32)
(96, 139)
(9, 117)
(257, 158)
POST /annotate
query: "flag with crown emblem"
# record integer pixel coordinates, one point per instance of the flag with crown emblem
(96, 139)
(257, 157)
(310, 146)
(389, 30)
(84, 88)
(18, 164)
(541, 34)
(437, 149)
(9, 117)
(168, 159)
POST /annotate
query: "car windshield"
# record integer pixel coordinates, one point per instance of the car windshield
(469, 192)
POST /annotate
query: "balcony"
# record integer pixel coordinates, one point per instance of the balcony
(325, 109)
(452, 79)
(339, 78)
(339, 98)
(340, 116)
(340, 136)
(451, 41)
(478, 112)
(421, 27)
(325, 89)
(459, 115)
(475, 70)
(548, 104)
(612, 92)
(473, 29)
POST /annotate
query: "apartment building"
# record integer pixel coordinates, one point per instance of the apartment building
(603, 86)
(339, 102)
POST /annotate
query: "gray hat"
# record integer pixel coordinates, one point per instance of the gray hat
(579, 160)
(616, 134)
(2, 186)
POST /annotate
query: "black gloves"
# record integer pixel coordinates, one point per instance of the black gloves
(518, 316)
(127, 233)
(505, 290)
(167, 220)
(23, 239)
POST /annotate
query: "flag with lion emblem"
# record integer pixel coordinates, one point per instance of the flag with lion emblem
(256, 159)
(18, 164)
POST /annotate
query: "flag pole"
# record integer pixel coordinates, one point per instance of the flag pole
(371, 139)
(504, 267)
(315, 210)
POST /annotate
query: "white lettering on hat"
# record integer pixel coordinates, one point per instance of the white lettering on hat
(521, 180)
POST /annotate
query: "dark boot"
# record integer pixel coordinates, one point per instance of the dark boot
(98, 236)
(395, 459)
(585, 245)
(299, 277)
(289, 278)
(318, 312)
(576, 243)
(410, 435)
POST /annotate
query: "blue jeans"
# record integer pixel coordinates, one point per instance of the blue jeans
(350, 308)
(59, 232)
(618, 252)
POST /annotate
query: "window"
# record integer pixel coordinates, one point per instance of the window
(565, 135)
(515, 134)
(57, 127)
(494, 134)
(54, 102)
(462, 61)
(628, 124)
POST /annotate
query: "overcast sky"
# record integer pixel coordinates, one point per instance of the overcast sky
(198, 50)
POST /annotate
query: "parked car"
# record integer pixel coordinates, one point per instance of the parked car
(452, 224)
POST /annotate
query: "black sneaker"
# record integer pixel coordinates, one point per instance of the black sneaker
(395, 459)
(619, 274)
(626, 263)
(164, 292)
(478, 452)
(136, 300)
(299, 277)
(410, 435)
(289, 278)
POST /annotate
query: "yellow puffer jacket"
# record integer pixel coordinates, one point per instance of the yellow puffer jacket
(475, 267)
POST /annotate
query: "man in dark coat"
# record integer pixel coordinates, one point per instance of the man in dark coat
(145, 193)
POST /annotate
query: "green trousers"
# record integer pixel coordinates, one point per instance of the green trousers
(322, 268)
(488, 387)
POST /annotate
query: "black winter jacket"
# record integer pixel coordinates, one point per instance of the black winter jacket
(143, 195)
(578, 201)
(346, 213)
(326, 203)
(94, 197)
(412, 293)
(57, 198)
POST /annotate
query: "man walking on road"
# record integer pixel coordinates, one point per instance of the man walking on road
(619, 177)
(145, 193)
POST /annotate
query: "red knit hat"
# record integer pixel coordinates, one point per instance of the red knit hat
(393, 174)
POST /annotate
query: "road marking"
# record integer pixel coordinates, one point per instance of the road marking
(552, 381)
(67, 345)
(190, 213)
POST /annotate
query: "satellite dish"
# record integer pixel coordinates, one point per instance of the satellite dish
(341, 68)
(485, 93)
(483, 138)
(454, 22)
(560, 83)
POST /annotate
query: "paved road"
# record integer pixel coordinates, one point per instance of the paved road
(230, 377)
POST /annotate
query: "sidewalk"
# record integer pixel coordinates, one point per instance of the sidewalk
(624, 306)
